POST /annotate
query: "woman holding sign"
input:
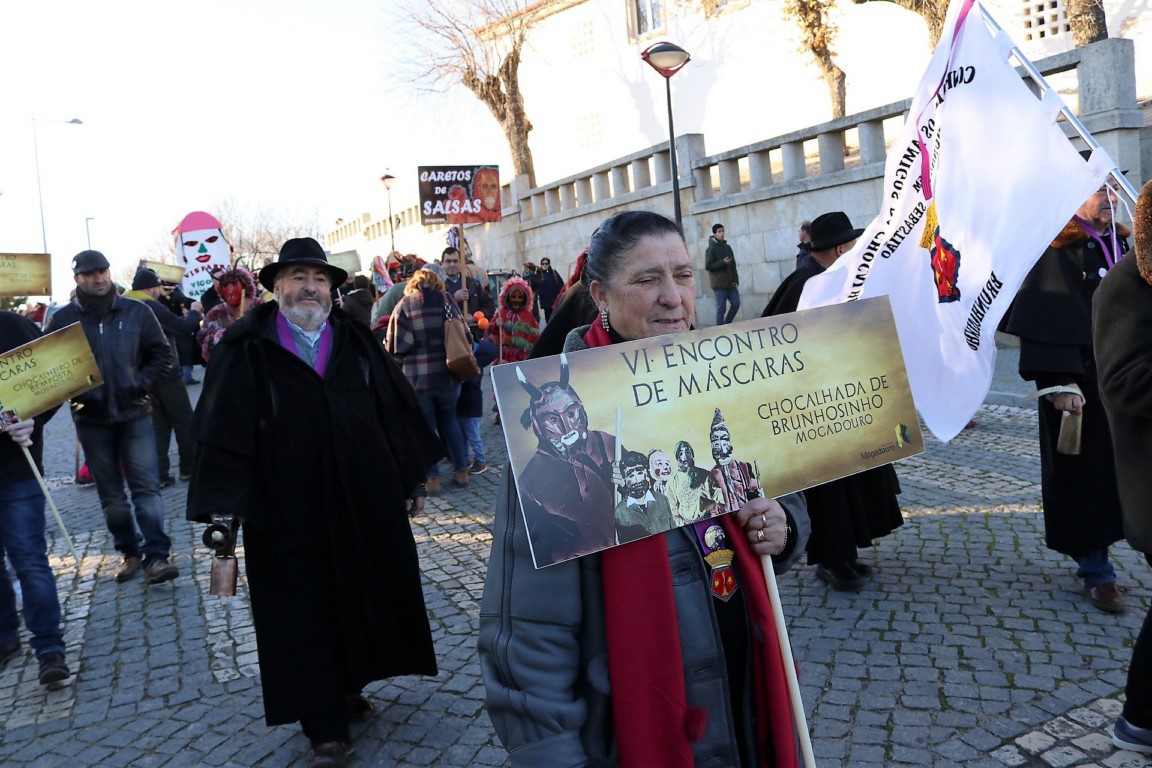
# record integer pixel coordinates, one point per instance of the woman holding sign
(636, 656)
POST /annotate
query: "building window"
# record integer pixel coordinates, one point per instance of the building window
(647, 17)
(583, 40)
(1045, 19)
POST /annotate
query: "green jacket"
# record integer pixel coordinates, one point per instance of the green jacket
(720, 275)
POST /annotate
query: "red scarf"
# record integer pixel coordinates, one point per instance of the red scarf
(646, 665)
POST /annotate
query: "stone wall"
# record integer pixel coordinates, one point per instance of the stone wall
(760, 192)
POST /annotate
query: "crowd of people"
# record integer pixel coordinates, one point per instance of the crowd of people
(328, 405)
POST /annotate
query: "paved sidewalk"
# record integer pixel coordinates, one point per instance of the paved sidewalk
(972, 647)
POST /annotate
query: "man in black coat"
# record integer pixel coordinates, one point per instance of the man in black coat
(1052, 315)
(171, 408)
(309, 433)
(1122, 330)
(851, 512)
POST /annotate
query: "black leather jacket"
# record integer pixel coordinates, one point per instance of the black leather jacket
(132, 354)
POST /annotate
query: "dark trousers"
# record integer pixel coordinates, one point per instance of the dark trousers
(172, 413)
(330, 726)
(1138, 704)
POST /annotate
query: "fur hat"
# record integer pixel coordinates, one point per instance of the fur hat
(1143, 225)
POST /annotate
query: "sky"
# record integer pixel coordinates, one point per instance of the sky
(293, 106)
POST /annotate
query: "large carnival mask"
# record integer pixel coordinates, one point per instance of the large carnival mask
(556, 414)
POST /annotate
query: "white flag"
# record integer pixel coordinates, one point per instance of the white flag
(1003, 180)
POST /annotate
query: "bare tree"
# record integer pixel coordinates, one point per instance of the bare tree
(932, 11)
(817, 32)
(1086, 18)
(256, 232)
(478, 44)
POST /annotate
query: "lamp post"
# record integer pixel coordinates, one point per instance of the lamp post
(87, 231)
(39, 188)
(388, 178)
(668, 59)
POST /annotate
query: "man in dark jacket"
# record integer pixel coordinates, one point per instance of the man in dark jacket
(113, 421)
(309, 433)
(171, 408)
(546, 285)
(1122, 330)
(720, 262)
(469, 294)
(22, 533)
(357, 303)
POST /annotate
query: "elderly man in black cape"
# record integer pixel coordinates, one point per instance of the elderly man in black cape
(849, 513)
(310, 434)
(1052, 315)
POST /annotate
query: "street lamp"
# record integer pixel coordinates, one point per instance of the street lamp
(388, 178)
(39, 189)
(87, 231)
(668, 59)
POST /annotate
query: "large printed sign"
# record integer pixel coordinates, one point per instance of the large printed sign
(613, 444)
(44, 373)
(459, 194)
(25, 274)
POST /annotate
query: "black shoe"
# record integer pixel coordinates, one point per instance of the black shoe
(358, 708)
(861, 568)
(840, 577)
(185, 476)
(53, 669)
(9, 651)
(160, 571)
(331, 754)
(167, 480)
(190, 382)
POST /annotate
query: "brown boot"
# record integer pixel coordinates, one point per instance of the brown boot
(129, 569)
(460, 477)
(432, 486)
(1107, 598)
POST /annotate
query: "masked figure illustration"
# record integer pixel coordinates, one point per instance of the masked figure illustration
(642, 512)
(692, 491)
(736, 479)
(566, 489)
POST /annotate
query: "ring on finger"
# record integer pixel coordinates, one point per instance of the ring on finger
(764, 519)
(760, 534)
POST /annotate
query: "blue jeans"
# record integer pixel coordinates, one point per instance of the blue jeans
(471, 427)
(131, 445)
(1095, 568)
(731, 297)
(22, 537)
(439, 407)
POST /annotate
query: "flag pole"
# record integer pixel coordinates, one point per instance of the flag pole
(1072, 119)
(51, 504)
(785, 647)
(789, 663)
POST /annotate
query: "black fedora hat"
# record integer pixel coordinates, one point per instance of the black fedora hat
(832, 229)
(301, 250)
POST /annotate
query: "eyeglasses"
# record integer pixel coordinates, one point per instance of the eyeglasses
(1109, 190)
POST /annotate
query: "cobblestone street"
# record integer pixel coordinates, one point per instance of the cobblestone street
(973, 646)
